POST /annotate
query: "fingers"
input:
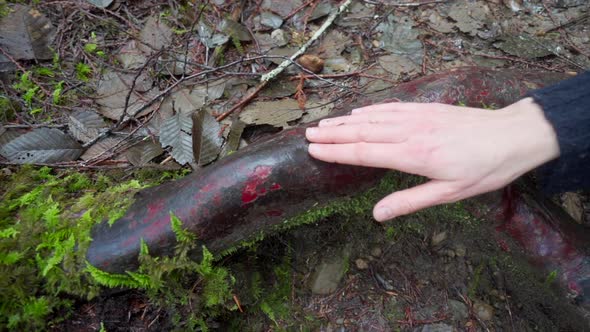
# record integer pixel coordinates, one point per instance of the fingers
(381, 155)
(371, 118)
(411, 200)
(399, 107)
(372, 133)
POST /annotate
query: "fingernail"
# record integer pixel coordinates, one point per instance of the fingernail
(383, 213)
(311, 132)
(313, 148)
(324, 122)
(355, 111)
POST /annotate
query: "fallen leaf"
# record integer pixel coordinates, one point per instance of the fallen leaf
(189, 100)
(41, 145)
(176, 133)
(234, 137)
(105, 147)
(279, 89)
(155, 35)
(439, 23)
(525, 46)
(337, 64)
(207, 138)
(130, 56)
(397, 64)
(210, 39)
(85, 125)
(399, 37)
(357, 14)
(333, 44)
(275, 113)
(142, 153)
(25, 34)
(315, 110)
(469, 16)
(113, 89)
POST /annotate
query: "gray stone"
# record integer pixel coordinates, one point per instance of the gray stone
(483, 310)
(376, 252)
(458, 310)
(361, 264)
(460, 250)
(438, 238)
(271, 20)
(328, 275)
(279, 37)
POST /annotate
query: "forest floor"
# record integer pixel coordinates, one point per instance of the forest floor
(96, 86)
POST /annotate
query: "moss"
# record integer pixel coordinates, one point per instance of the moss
(45, 222)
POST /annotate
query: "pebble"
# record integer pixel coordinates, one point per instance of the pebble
(438, 238)
(376, 252)
(340, 321)
(279, 37)
(483, 310)
(460, 250)
(458, 310)
(328, 274)
(361, 264)
(6, 171)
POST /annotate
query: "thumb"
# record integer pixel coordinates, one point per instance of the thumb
(413, 199)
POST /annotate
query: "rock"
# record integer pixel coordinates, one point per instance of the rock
(271, 20)
(438, 327)
(279, 37)
(483, 310)
(361, 264)
(460, 250)
(328, 275)
(458, 310)
(438, 238)
(450, 253)
(572, 203)
(376, 252)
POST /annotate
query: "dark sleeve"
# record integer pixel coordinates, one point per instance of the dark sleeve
(567, 107)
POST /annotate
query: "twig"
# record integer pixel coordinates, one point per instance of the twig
(272, 74)
(242, 102)
(573, 21)
(296, 10)
(565, 36)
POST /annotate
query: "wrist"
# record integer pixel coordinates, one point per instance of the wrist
(535, 139)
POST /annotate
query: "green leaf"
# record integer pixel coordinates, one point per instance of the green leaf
(182, 235)
(90, 47)
(83, 71)
(9, 232)
(57, 92)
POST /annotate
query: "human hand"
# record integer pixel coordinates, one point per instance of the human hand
(464, 151)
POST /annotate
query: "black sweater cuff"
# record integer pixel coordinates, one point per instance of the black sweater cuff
(567, 108)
